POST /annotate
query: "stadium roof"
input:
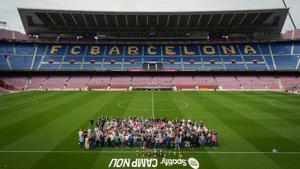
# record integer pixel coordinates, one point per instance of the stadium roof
(143, 24)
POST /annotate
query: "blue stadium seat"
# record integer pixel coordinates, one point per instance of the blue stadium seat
(139, 51)
(52, 58)
(60, 51)
(20, 62)
(77, 59)
(250, 52)
(253, 58)
(169, 59)
(172, 66)
(135, 59)
(264, 48)
(78, 48)
(74, 66)
(235, 66)
(281, 48)
(112, 66)
(152, 59)
(116, 59)
(102, 50)
(136, 66)
(193, 67)
(297, 48)
(157, 49)
(208, 59)
(213, 66)
(42, 49)
(52, 67)
(6, 49)
(3, 63)
(175, 49)
(37, 62)
(25, 49)
(89, 66)
(192, 59)
(257, 66)
(286, 62)
(231, 58)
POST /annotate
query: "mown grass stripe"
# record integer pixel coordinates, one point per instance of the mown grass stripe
(22, 128)
(70, 142)
(270, 141)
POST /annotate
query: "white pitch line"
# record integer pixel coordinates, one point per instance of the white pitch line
(152, 105)
(132, 152)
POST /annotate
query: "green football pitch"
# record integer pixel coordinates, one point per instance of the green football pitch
(39, 130)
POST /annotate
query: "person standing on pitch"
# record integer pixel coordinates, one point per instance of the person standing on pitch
(177, 142)
(81, 139)
(91, 123)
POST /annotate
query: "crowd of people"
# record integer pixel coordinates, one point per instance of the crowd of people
(139, 132)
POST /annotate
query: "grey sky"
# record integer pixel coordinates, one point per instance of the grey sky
(9, 13)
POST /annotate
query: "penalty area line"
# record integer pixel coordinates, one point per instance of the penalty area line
(133, 152)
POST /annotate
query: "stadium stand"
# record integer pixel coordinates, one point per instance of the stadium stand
(256, 56)
(270, 82)
(55, 82)
(250, 83)
(221, 82)
(226, 82)
(79, 82)
(205, 55)
(184, 82)
(36, 82)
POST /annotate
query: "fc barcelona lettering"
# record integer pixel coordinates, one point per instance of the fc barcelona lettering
(167, 50)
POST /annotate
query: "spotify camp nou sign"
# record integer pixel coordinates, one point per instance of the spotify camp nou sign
(153, 163)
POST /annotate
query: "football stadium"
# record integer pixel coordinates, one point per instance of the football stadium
(215, 89)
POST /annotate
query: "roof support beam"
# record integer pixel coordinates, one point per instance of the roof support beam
(243, 19)
(208, 23)
(86, 23)
(188, 21)
(257, 16)
(63, 19)
(116, 19)
(220, 21)
(74, 19)
(231, 20)
(137, 20)
(96, 20)
(105, 20)
(199, 20)
(168, 19)
(126, 19)
(147, 20)
(178, 20)
(51, 19)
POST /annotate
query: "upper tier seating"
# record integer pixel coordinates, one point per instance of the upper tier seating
(198, 57)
